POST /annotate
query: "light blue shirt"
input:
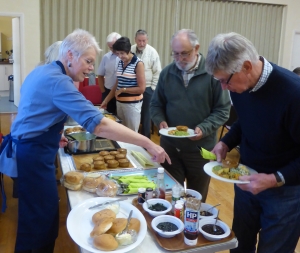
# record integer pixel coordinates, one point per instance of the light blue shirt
(47, 96)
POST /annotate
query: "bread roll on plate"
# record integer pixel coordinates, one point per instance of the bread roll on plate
(101, 227)
(105, 242)
(105, 213)
(182, 128)
(117, 226)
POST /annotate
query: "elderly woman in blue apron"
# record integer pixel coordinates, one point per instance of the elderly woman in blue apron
(48, 95)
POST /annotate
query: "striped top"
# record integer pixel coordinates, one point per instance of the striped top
(127, 76)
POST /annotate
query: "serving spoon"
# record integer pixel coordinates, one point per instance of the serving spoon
(125, 231)
(214, 227)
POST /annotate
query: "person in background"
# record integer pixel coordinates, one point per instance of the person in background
(129, 87)
(107, 71)
(51, 53)
(29, 150)
(152, 66)
(266, 98)
(187, 95)
(297, 71)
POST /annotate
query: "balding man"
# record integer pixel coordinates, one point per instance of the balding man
(187, 95)
(107, 71)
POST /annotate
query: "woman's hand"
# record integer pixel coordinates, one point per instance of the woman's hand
(103, 105)
(158, 154)
(63, 142)
(118, 92)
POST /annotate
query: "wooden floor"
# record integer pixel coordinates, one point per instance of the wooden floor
(219, 192)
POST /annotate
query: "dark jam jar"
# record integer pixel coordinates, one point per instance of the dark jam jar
(141, 195)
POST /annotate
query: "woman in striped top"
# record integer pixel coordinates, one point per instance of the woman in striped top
(130, 85)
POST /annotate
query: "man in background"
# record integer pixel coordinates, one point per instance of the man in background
(187, 95)
(107, 72)
(152, 65)
(297, 71)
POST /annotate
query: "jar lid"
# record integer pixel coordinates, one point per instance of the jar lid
(160, 170)
(178, 206)
(141, 190)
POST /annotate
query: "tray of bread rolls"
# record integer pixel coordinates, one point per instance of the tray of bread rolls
(103, 160)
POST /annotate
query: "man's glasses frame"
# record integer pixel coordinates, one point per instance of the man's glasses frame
(183, 55)
(228, 80)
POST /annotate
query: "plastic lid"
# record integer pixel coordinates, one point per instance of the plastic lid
(141, 190)
(178, 206)
(160, 170)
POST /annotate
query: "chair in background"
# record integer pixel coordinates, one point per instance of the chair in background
(92, 93)
(232, 118)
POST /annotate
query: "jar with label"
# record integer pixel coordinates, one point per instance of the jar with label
(141, 195)
(160, 184)
(191, 221)
(175, 195)
(178, 211)
(149, 193)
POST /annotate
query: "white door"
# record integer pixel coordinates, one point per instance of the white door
(295, 63)
(16, 43)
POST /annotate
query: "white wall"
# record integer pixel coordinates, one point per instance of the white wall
(29, 13)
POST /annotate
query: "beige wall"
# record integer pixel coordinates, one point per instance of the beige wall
(29, 13)
(290, 25)
(5, 29)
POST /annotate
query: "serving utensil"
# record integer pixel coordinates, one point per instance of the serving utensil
(214, 227)
(145, 201)
(212, 207)
(184, 184)
(126, 228)
(107, 202)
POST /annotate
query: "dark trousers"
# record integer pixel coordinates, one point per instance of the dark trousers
(112, 105)
(145, 113)
(189, 166)
(47, 249)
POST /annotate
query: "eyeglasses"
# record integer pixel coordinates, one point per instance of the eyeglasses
(183, 54)
(223, 81)
(89, 62)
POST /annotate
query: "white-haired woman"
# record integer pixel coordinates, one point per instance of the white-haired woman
(48, 95)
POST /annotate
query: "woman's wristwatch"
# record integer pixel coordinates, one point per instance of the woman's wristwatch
(279, 179)
(123, 89)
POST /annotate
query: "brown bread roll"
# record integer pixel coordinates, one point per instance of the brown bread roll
(105, 242)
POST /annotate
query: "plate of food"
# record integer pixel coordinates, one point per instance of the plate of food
(226, 174)
(178, 132)
(81, 225)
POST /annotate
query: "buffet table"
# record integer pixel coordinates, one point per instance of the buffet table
(149, 245)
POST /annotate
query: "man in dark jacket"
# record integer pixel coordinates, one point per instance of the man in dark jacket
(187, 95)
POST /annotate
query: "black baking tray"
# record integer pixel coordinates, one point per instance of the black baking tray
(102, 144)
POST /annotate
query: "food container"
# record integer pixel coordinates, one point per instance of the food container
(212, 210)
(150, 202)
(167, 218)
(81, 142)
(212, 237)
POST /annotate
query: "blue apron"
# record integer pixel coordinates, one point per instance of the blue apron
(37, 190)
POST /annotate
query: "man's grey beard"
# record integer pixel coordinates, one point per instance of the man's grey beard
(187, 67)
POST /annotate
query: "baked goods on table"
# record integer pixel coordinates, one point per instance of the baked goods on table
(108, 225)
(73, 180)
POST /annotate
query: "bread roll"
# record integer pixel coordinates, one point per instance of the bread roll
(134, 224)
(101, 227)
(73, 187)
(120, 156)
(103, 153)
(98, 158)
(86, 167)
(182, 128)
(105, 213)
(73, 177)
(114, 152)
(122, 150)
(112, 163)
(107, 188)
(90, 183)
(105, 242)
(117, 226)
(99, 165)
(123, 163)
(109, 157)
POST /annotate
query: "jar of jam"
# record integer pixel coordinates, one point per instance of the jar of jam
(149, 193)
(141, 195)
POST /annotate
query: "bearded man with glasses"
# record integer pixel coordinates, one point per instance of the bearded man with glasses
(187, 95)
(266, 99)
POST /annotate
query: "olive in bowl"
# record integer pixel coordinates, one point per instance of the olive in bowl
(156, 207)
(207, 211)
(167, 225)
(206, 229)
